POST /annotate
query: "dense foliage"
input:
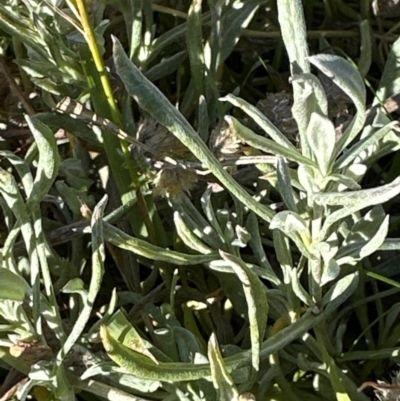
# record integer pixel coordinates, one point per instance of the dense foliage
(226, 228)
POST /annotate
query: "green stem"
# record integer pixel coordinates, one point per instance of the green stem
(116, 117)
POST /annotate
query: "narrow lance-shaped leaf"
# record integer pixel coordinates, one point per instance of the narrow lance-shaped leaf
(390, 79)
(346, 77)
(143, 367)
(320, 136)
(366, 236)
(296, 228)
(294, 35)
(151, 99)
(166, 67)
(355, 201)
(195, 47)
(256, 300)
(363, 144)
(98, 257)
(143, 248)
(12, 286)
(285, 186)
(48, 161)
(188, 237)
(122, 330)
(364, 197)
(258, 249)
(223, 383)
(340, 291)
(22, 167)
(266, 145)
(364, 62)
(317, 89)
(232, 24)
(260, 119)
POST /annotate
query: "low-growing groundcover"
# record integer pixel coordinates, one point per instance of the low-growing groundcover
(225, 226)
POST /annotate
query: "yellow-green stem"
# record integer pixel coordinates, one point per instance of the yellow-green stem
(105, 82)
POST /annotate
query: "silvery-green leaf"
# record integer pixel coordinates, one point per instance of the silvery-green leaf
(299, 290)
(22, 167)
(12, 286)
(366, 236)
(390, 79)
(243, 237)
(223, 383)
(258, 250)
(232, 24)
(295, 227)
(208, 210)
(55, 378)
(383, 353)
(377, 240)
(367, 226)
(306, 178)
(364, 61)
(347, 78)
(323, 249)
(164, 336)
(283, 253)
(340, 291)
(223, 267)
(75, 286)
(337, 379)
(12, 197)
(166, 67)
(140, 247)
(152, 100)
(255, 293)
(355, 201)
(23, 30)
(305, 104)
(121, 329)
(320, 136)
(195, 47)
(365, 197)
(229, 233)
(196, 222)
(356, 171)
(89, 297)
(264, 144)
(187, 343)
(48, 161)
(72, 197)
(285, 186)
(260, 119)
(363, 144)
(317, 89)
(343, 182)
(288, 221)
(203, 120)
(294, 34)
(330, 272)
(117, 378)
(188, 237)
